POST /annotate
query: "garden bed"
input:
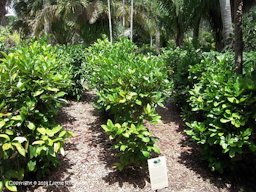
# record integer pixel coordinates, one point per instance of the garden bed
(87, 165)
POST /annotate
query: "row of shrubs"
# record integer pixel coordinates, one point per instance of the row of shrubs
(35, 80)
(220, 104)
(129, 86)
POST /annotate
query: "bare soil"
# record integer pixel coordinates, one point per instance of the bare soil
(87, 164)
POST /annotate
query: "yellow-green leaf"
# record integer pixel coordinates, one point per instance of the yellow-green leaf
(20, 149)
(12, 188)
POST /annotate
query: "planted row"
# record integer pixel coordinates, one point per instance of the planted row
(129, 87)
(219, 108)
(33, 83)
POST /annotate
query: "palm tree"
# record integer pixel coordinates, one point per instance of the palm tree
(226, 16)
(238, 47)
(131, 32)
(3, 12)
(110, 23)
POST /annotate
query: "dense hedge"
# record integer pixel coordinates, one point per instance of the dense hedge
(74, 57)
(220, 112)
(32, 86)
(129, 87)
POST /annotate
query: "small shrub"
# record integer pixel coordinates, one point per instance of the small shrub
(135, 143)
(179, 60)
(223, 116)
(129, 87)
(8, 40)
(33, 82)
(74, 57)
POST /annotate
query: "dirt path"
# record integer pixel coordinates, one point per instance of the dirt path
(88, 159)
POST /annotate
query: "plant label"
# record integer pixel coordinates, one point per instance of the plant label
(158, 173)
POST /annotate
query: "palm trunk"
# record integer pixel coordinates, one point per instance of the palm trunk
(47, 27)
(131, 35)
(196, 31)
(151, 41)
(226, 16)
(238, 47)
(124, 14)
(110, 22)
(3, 20)
(180, 33)
(158, 36)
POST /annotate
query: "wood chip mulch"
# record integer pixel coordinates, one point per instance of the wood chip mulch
(87, 164)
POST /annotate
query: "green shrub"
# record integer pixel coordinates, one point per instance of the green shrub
(74, 57)
(31, 90)
(249, 30)
(179, 60)
(223, 117)
(129, 87)
(134, 143)
(8, 40)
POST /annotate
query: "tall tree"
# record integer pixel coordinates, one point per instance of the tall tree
(131, 32)
(3, 12)
(110, 22)
(123, 10)
(226, 16)
(238, 47)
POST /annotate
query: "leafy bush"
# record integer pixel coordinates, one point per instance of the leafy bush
(249, 30)
(74, 57)
(129, 87)
(179, 60)
(8, 39)
(134, 142)
(223, 118)
(31, 91)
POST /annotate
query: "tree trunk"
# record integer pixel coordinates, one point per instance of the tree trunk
(47, 25)
(180, 33)
(158, 36)
(124, 14)
(226, 16)
(131, 32)
(3, 20)
(238, 47)
(151, 41)
(196, 31)
(110, 22)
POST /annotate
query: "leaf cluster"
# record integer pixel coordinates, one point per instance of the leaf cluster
(32, 87)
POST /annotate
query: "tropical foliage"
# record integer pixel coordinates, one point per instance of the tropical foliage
(32, 87)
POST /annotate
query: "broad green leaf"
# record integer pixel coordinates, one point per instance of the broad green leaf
(145, 139)
(41, 130)
(60, 94)
(156, 150)
(62, 152)
(31, 126)
(39, 92)
(145, 154)
(9, 132)
(17, 118)
(20, 139)
(31, 165)
(20, 149)
(5, 137)
(138, 102)
(52, 89)
(7, 146)
(123, 147)
(12, 188)
(224, 120)
(56, 147)
(39, 142)
(2, 123)
(62, 133)
(1, 185)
